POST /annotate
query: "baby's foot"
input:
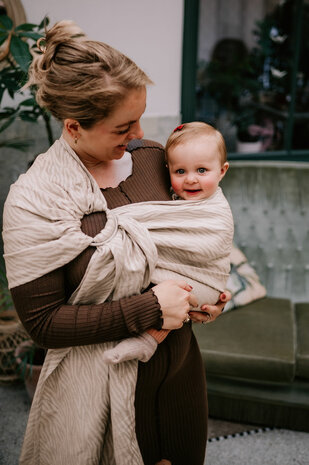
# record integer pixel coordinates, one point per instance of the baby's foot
(141, 348)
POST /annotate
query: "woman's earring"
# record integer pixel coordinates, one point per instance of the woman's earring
(75, 140)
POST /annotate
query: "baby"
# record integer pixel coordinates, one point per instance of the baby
(196, 160)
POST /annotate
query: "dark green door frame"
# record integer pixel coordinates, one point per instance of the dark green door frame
(189, 60)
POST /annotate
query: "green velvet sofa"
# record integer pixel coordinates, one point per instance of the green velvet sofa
(257, 356)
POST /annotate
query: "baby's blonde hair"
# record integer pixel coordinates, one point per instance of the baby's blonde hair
(82, 79)
(188, 131)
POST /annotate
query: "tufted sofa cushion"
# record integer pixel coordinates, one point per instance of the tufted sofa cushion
(302, 355)
(269, 201)
(255, 342)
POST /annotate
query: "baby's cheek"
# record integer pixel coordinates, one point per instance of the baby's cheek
(176, 185)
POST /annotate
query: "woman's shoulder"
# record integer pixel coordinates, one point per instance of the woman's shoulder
(147, 154)
(145, 145)
(150, 176)
(136, 144)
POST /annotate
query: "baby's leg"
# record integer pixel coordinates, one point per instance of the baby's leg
(141, 347)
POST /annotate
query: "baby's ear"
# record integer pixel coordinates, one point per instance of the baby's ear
(224, 169)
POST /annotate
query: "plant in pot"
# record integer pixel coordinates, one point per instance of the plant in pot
(256, 131)
(12, 332)
(30, 358)
(17, 48)
(229, 80)
(249, 132)
(20, 357)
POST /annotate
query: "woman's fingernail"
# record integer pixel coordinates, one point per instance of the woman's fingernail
(223, 296)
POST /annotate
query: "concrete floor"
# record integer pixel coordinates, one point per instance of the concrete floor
(228, 443)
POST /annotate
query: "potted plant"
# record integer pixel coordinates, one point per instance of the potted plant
(29, 358)
(229, 80)
(17, 48)
(249, 131)
(11, 331)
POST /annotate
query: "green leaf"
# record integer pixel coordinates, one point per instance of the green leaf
(28, 116)
(13, 79)
(30, 35)
(7, 112)
(44, 23)
(21, 145)
(7, 123)
(28, 102)
(6, 23)
(11, 93)
(2, 90)
(20, 51)
(25, 27)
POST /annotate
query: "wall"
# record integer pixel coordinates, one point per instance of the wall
(148, 32)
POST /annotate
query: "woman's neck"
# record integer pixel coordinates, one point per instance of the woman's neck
(112, 173)
(107, 173)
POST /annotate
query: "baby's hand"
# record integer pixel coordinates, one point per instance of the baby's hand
(209, 313)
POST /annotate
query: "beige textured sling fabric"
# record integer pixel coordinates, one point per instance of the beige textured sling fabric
(83, 410)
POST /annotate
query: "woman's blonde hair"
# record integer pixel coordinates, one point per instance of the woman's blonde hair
(187, 131)
(81, 79)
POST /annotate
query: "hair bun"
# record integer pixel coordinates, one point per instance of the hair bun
(63, 31)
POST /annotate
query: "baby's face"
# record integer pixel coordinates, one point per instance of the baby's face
(195, 168)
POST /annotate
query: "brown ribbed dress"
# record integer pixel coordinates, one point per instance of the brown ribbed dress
(170, 402)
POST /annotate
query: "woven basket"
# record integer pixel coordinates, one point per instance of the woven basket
(11, 334)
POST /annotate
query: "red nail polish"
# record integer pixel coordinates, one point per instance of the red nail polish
(223, 296)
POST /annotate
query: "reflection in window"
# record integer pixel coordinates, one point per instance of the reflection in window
(247, 83)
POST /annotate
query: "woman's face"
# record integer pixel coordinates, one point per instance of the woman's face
(108, 139)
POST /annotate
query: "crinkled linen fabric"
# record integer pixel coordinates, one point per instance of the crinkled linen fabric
(41, 233)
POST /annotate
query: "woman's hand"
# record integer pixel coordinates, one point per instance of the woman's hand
(209, 313)
(175, 299)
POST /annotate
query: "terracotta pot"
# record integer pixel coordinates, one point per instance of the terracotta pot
(30, 371)
(12, 334)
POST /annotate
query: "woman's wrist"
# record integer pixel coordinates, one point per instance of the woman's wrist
(159, 315)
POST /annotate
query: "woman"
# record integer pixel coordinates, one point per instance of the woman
(54, 226)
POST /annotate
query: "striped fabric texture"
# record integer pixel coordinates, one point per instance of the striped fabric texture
(141, 243)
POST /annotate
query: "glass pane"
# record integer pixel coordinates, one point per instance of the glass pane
(246, 72)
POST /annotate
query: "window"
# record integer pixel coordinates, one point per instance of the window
(250, 75)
